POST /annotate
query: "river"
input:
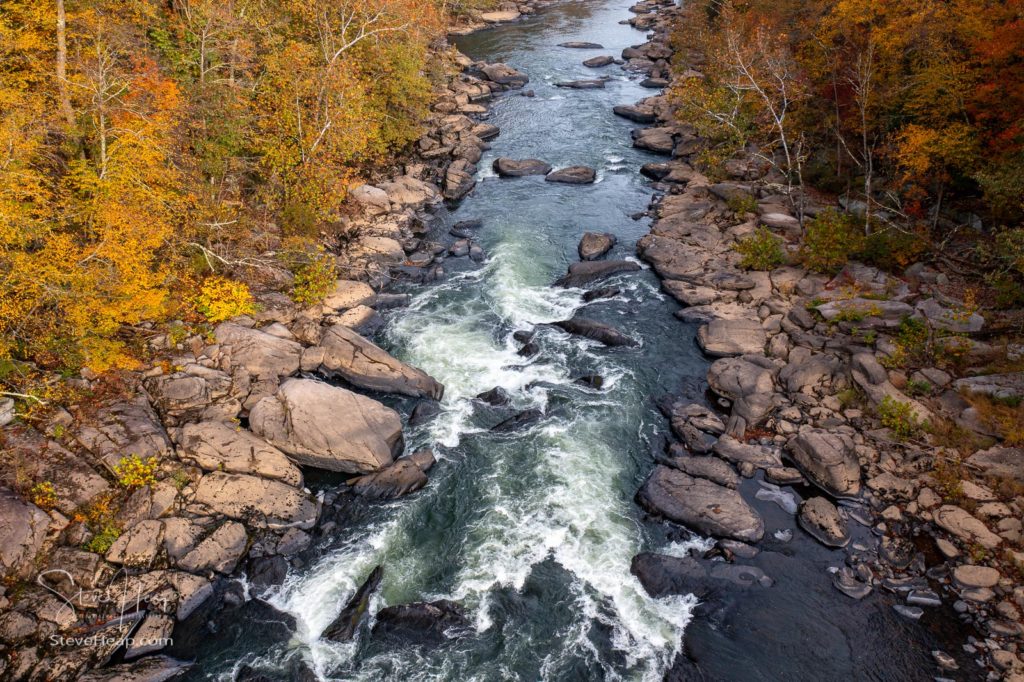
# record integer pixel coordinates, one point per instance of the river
(533, 532)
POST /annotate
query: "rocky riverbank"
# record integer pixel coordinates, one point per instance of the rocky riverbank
(124, 515)
(807, 370)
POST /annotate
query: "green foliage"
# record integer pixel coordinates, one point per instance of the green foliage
(898, 417)
(314, 277)
(761, 250)
(892, 249)
(919, 387)
(741, 203)
(829, 242)
(43, 495)
(103, 539)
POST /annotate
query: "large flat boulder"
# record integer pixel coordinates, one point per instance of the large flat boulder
(582, 274)
(828, 458)
(516, 168)
(263, 355)
(23, 529)
(328, 427)
(364, 364)
(216, 446)
(350, 294)
(969, 529)
(255, 501)
(701, 505)
(410, 192)
(723, 337)
(1003, 386)
(999, 462)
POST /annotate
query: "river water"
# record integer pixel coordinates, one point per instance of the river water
(533, 532)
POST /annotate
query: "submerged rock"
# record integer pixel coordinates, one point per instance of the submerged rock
(584, 84)
(700, 505)
(347, 623)
(581, 274)
(598, 62)
(601, 292)
(497, 396)
(422, 622)
(401, 478)
(573, 175)
(581, 45)
(513, 168)
(662, 575)
(597, 331)
(519, 421)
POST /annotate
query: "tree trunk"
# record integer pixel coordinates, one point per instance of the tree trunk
(62, 65)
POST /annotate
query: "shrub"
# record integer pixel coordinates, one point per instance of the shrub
(892, 249)
(43, 495)
(761, 250)
(898, 417)
(918, 387)
(134, 472)
(741, 203)
(103, 539)
(221, 298)
(829, 241)
(314, 278)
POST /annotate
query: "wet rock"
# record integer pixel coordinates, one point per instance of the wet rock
(697, 416)
(573, 175)
(700, 505)
(582, 45)
(597, 331)
(694, 439)
(598, 62)
(364, 364)
(151, 669)
(587, 272)
(590, 381)
(497, 396)
(637, 114)
(528, 350)
(519, 421)
(216, 446)
(344, 627)
(964, 526)
(846, 581)
(422, 622)
(301, 420)
(662, 575)
(822, 521)
(829, 460)
(267, 572)
(401, 478)
(256, 501)
(23, 528)
(513, 168)
(721, 338)
(593, 245)
(784, 476)
(601, 292)
(583, 84)
(476, 253)
(654, 83)
(908, 612)
(424, 411)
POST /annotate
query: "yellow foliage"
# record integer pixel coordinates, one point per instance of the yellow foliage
(221, 298)
(134, 472)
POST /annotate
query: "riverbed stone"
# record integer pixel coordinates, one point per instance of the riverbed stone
(708, 468)
(503, 74)
(828, 458)
(598, 331)
(656, 140)
(593, 245)
(971, 576)
(598, 62)
(364, 364)
(1002, 386)
(821, 519)
(1000, 463)
(401, 478)
(263, 355)
(138, 546)
(701, 505)
(348, 294)
(23, 528)
(328, 427)
(587, 272)
(635, 113)
(516, 168)
(758, 456)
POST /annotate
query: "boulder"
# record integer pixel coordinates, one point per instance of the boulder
(518, 421)
(256, 501)
(364, 364)
(153, 635)
(345, 626)
(496, 396)
(216, 446)
(349, 294)
(598, 62)
(151, 669)
(867, 312)
(637, 114)
(582, 45)
(410, 192)
(422, 622)
(701, 505)
(373, 199)
(123, 428)
(23, 528)
(662, 575)
(198, 393)
(671, 258)
(957, 321)
(401, 478)
(1000, 463)
(722, 337)
(964, 526)
(219, 552)
(969, 576)
(499, 17)
(515, 168)
(328, 427)
(573, 175)
(1008, 386)
(263, 355)
(708, 468)
(593, 245)
(138, 546)
(502, 74)
(582, 274)
(759, 456)
(37, 458)
(657, 140)
(814, 371)
(828, 458)
(362, 320)
(821, 519)
(598, 331)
